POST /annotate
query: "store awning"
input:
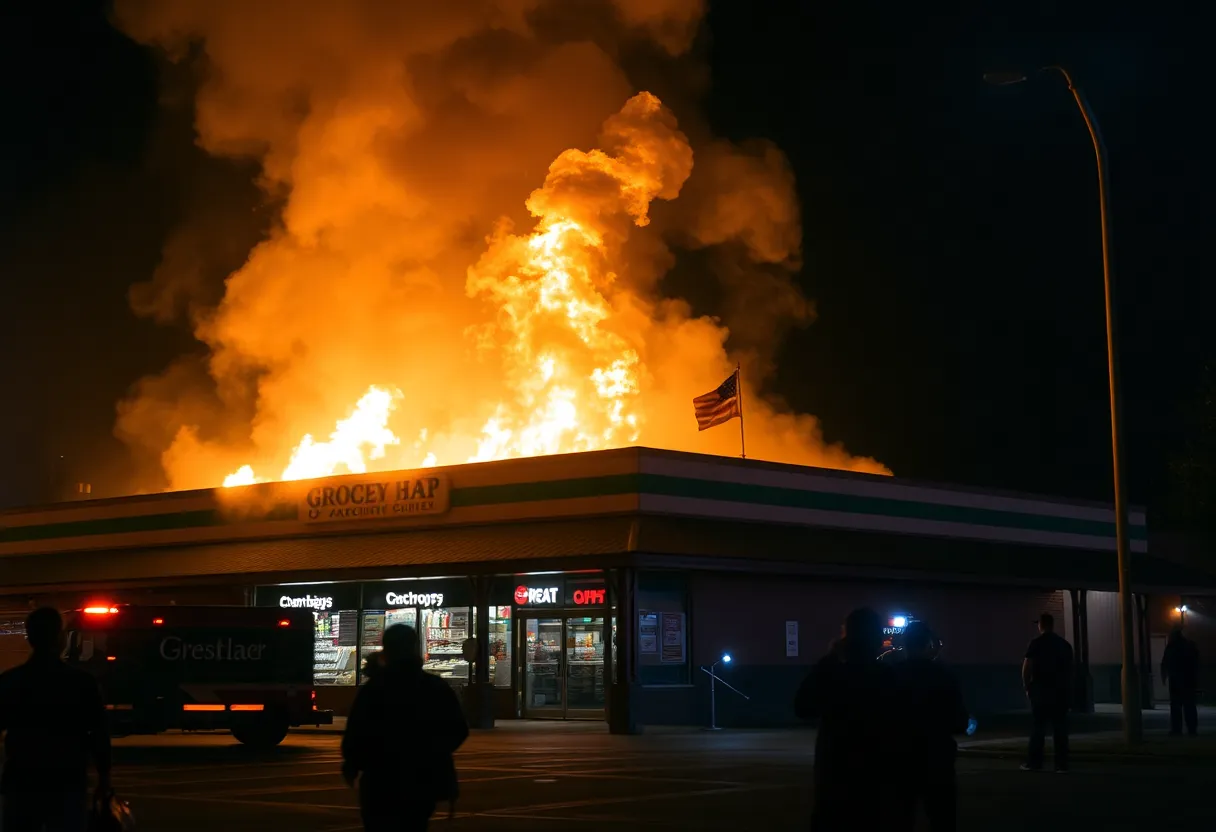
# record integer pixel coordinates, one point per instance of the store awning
(658, 541)
(520, 542)
(821, 551)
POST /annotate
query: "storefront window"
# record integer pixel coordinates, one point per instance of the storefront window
(375, 622)
(544, 646)
(444, 632)
(585, 663)
(335, 617)
(500, 647)
(663, 645)
(334, 649)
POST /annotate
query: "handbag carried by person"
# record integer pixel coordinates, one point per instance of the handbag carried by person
(111, 814)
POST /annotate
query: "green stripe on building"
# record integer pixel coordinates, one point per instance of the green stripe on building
(878, 506)
(204, 518)
(616, 485)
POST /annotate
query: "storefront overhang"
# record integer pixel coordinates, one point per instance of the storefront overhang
(522, 547)
(721, 545)
(590, 510)
(599, 484)
(596, 543)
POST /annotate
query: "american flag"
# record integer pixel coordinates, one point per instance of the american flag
(720, 406)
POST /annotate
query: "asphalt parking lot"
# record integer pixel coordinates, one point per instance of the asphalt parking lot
(577, 776)
(511, 778)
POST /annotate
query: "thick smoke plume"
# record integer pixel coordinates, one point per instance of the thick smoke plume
(465, 264)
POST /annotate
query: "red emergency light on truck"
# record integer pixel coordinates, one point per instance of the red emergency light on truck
(245, 669)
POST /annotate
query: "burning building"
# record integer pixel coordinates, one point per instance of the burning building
(474, 210)
(595, 585)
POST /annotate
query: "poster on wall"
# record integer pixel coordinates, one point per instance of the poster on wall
(673, 637)
(344, 622)
(648, 633)
(791, 639)
(373, 629)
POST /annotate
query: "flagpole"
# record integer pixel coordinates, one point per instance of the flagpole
(739, 393)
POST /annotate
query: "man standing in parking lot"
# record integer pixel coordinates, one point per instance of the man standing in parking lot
(54, 721)
(402, 731)
(1180, 669)
(1047, 678)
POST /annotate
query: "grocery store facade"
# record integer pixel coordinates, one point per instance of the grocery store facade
(599, 585)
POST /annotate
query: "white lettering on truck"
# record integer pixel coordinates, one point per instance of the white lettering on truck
(176, 649)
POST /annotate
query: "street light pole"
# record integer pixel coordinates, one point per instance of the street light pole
(1130, 677)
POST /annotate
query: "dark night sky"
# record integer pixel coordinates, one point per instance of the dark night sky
(951, 234)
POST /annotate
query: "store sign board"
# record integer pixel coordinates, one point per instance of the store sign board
(318, 598)
(317, 603)
(536, 595)
(561, 593)
(589, 597)
(425, 593)
(413, 599)
(376, 500)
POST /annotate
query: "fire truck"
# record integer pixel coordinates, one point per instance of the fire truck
(243, 669)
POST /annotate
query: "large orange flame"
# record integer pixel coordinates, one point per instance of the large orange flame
(576, 380)
(565, 329)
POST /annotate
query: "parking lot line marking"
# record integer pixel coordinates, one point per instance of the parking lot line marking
(308, 808)
(638, 798)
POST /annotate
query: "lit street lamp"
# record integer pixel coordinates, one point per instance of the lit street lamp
(1132, 729)
(713, 680)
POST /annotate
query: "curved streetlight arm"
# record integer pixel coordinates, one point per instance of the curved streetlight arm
(1130, 687)
(718, 678)
(1132, 726)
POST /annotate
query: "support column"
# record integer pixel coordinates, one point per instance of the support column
(622, 712)
(479, 696)
(1145, 646)
(609, 649)
(1085, 701)
(1078, 672)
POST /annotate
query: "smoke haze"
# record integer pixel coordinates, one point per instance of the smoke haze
(477, 209)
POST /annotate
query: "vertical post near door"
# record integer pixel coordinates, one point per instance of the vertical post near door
(479, 700)
(1145, 647)
(622, 718)
(609, 649)
(1086, 702)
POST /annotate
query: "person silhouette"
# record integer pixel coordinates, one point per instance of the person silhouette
(402, 731)
(1047, 677)
(853, 696)
(1180, 669)
(54, 721)
(932, 712)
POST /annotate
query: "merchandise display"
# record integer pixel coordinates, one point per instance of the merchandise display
(334, 647)
(444, 632)
(375, 622)
(544, 646)
(500, 647)
(585, 663)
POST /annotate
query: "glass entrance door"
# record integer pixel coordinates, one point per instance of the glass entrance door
(585, 692)
(544, 682)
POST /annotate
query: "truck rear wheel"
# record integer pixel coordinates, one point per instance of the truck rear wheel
(265, 731)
